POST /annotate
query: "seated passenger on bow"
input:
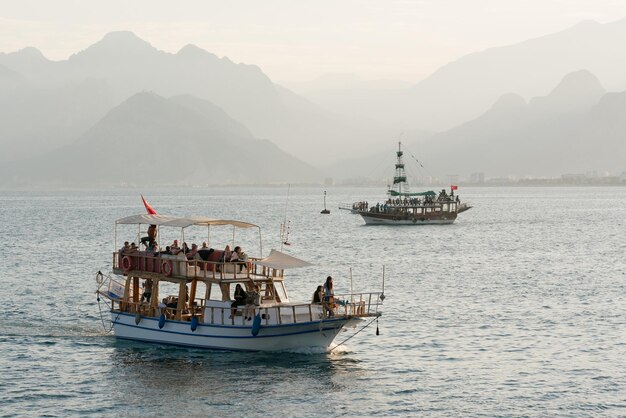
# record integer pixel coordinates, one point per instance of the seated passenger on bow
(318, 295)
(240, 299)
(253, 299)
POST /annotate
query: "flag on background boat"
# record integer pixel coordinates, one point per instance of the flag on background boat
(453, 187)
(149, 208)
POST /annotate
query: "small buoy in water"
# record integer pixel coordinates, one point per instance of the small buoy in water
(162, 321)
(256, 325)
(194, 323)
(137, 319)
(377, 331)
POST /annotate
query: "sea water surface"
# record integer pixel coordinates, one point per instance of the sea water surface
(517, 309)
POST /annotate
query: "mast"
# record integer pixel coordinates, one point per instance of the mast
(400, 178)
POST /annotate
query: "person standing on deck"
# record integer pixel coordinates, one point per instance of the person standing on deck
(151, 238)
(329, 296)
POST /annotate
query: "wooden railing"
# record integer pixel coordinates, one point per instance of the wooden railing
(142, 262)
(352, 305)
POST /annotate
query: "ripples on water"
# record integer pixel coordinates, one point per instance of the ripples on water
(516, 309)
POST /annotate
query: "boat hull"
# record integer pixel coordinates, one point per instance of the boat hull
(287, 337)
(383, 219)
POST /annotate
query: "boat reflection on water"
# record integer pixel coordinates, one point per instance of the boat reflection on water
(162, 373)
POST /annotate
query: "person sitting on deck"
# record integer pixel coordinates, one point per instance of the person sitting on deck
(240, 299)
(318, 296)
(205, 252)
(153, 249)
(253, 299)
(193, 252)
(125, 248)
(226, 254)
(185, 248)
(239, 257)
(174, 248)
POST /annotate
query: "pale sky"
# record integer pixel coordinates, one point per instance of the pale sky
(299, 40)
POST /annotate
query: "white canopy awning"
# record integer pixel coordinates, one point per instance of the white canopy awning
(179, 222)
(278, 260)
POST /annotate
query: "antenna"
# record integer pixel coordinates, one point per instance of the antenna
(351, 289)
(382, 294)
(284, 227)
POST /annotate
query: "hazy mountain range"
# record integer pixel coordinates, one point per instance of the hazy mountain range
(575, 128)
(152, 140)
(123, 112)
(66, 97)
(465, 88)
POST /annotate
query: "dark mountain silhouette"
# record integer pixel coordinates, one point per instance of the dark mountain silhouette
(152, 140)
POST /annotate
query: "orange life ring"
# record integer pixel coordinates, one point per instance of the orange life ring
(127, 263)
(166, 267)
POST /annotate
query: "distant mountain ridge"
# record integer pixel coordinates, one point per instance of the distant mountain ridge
(559, 132)
(575, 128)
(123, 64)
(463, 89)
(150, 140)
(481, 105)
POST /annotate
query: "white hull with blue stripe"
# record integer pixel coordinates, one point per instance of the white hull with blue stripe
(285, 337)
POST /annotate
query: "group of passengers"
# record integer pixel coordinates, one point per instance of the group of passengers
(391, 204)
(236, 255)
(360, 205)
(326, 295)
(249, 300)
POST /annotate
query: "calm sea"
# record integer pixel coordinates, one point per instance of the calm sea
(518, 309)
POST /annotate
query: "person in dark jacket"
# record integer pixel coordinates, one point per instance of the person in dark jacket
(240, 299)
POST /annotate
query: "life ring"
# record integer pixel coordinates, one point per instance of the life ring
(166, 267)
(127, 263)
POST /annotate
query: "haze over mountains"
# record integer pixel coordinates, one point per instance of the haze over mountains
(123, 112)
(152, 140)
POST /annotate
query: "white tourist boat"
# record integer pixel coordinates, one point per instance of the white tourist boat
(198, 313)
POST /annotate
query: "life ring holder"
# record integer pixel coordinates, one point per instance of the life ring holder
(126, 263)
(166, 267)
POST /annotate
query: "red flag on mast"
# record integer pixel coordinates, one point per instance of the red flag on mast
(149, 208)
(453, 187)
